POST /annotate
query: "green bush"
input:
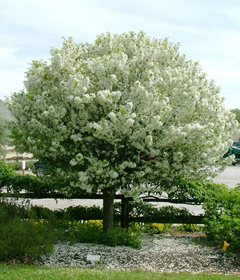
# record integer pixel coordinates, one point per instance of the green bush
(152, 213)
(33, 184)
(156, 228)
(6, 174)
(39, 212)
(136, 209)
(30, 164)
(189, 228)
(222, 210)
(11, 210)
(17, 165)
(23, 239)
(39, 187)
(92, 232)
(184, 190)
(78, 213)
(120, 237)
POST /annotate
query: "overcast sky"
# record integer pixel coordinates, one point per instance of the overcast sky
(207, 30)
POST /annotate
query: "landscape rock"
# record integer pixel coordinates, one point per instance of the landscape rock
(158, 253)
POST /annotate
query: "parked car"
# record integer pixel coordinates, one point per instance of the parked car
(40, 169)
(234, 150)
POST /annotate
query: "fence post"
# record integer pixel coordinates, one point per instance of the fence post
(124, 212)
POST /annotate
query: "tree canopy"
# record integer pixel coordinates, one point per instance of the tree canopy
(3, 136)
(122, 113)
(236, 112)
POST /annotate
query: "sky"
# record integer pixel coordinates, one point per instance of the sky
(208, 32)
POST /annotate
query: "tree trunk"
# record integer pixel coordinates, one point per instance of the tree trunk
(108, 201)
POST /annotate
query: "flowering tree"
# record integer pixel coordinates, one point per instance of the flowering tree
(122, 114)
(237, 114)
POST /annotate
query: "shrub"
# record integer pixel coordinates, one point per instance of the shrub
(80, 213)
(120, 237)
(9, 209)
(152, 214)
(156, 228)
(39, 212)
(91, 232)
(223, 217)
(189, 228)
(48, 185)
(17, 165)
(154, 220)
(30, 164)
(23, 240)
(6, 174)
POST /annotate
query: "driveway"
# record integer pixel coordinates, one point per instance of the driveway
(230, 176)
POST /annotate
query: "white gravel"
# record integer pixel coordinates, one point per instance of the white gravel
(158, 253)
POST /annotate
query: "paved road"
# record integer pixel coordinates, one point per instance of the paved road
(230, 177)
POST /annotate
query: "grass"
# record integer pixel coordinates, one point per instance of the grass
(21, 272)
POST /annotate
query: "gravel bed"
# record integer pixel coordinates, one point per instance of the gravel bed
(158, 253)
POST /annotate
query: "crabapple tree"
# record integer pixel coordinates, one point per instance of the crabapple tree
(122, 114)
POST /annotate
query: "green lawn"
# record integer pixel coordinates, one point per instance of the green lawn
(19, 272)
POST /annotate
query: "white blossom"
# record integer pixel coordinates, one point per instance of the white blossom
(125, 112)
